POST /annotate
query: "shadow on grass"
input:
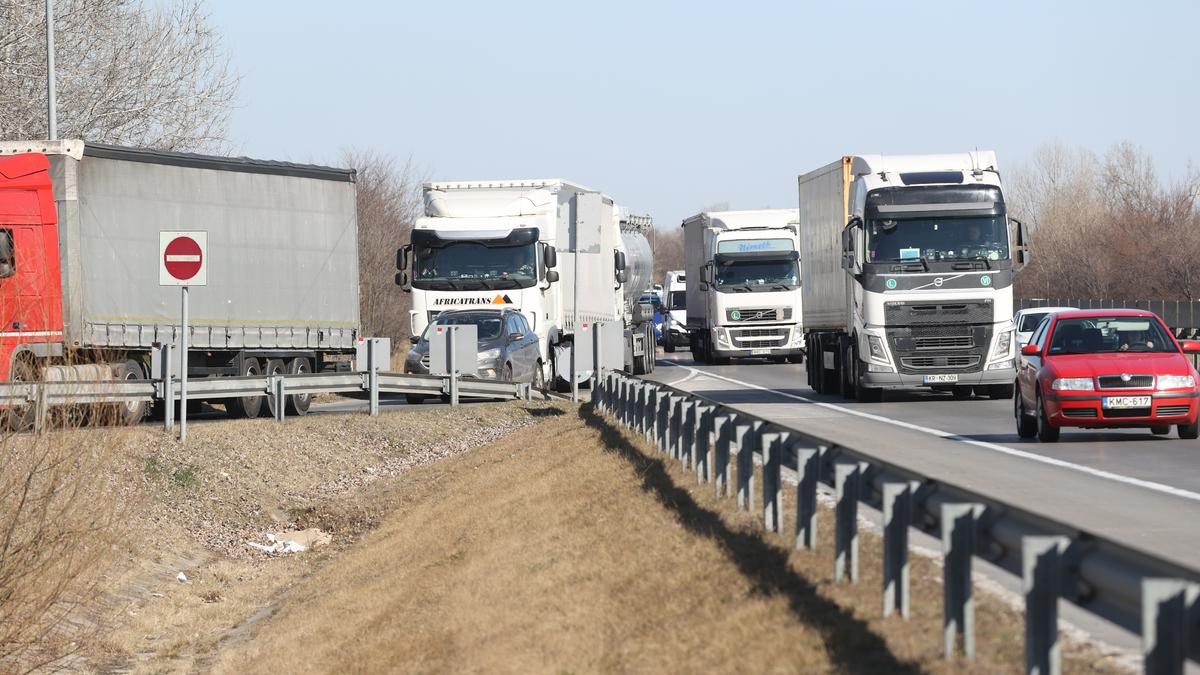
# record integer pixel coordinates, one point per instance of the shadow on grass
(545, 412)
(852, 646)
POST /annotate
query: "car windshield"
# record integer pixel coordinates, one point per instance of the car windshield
(488, 325)
(678, 299)
(746, 275)
(937, 239)
(468, 265)
(1029, 322)
(1103, 335)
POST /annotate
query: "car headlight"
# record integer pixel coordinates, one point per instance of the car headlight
(1176, 382)
(1003, 345)
(877, 351)
(1073, 384)
(489, 355)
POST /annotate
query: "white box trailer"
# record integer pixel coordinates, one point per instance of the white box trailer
(744, 297)
(908, 270)
(561, 253)
(282, 291)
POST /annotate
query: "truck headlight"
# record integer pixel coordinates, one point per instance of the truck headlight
(1073, 384)
(877, 350)
(1003, 346)
(722, 336)
(1176, 382)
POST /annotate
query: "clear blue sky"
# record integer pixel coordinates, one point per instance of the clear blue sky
(672, 106)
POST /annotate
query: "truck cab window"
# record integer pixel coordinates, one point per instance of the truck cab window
(8, 260)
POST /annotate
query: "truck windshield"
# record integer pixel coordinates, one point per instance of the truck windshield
(764, 275)
(936, 239)
(461, 266)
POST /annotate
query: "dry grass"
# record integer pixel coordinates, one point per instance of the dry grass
(541, 553)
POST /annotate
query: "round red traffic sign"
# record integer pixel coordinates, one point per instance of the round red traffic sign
(183, 258)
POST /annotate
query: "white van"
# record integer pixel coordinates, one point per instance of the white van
(675, 333)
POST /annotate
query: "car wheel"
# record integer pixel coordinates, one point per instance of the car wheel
(539, 380)
(414, 399)
(1027, 425)
(1160, 429)
(1189, 432)
(668, 346)
(1046, 432)
(507, 375)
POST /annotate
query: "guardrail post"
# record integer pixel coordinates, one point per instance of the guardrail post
(847, 485)
(703, 444)
(279, 387)
(808, 473)
(687, 433)
(650, 412)
(746, 440)
(959, 522)
(1041, 572)
(627, 408)
(41, 408)
(773, 445)
(610, 385)
(167, 377)
(639, 409)
(674, 424)
(451, 339)
(1170, 614)
(373, 379)
(897, 517)
(722, 439)
(662, 422)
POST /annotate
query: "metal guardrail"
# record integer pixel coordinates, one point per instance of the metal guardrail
(1156, 598)
(46, 395)
(1182, 316)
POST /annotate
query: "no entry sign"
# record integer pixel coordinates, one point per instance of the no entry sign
(182, 258)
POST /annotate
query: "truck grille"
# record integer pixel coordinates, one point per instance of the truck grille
(748, 338)
(923, 344)
(1172, 410)
(947, 362)
(1135, 382)
(901, 313)
(747, 314)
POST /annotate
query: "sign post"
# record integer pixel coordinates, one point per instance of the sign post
(182, 262)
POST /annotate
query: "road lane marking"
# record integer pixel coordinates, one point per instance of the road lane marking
(1128, 480)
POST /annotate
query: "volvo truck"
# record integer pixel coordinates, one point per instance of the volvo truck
(79, 265)
(563, 254)
(745, 300)
(908, 275)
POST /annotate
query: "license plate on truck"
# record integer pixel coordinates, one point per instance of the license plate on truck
(1126, 401)
(760, 352)
(941, 379)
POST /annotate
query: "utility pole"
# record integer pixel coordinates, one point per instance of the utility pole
(51, 113)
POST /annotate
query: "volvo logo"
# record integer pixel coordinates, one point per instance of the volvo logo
(937, 282)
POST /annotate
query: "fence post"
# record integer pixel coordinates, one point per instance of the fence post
(649, 412)
(808, 473)
(847, 481)
(662, 422)
(723, 438)
(746, 438)
(1170, 613)
(703, 444)
(959, 523)
(674, 425)
(1041, 570)
(773, 446)
(897, 516)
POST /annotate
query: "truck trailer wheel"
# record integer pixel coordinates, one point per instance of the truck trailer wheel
(298, 404)
(274, 367)
(21, 417)
(129, 414)
(247, 407)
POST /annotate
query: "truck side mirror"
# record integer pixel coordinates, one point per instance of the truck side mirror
(402, 256)
(619, 261)
(402, 281)
(849, 235)
(550, 257)
(551, 276)
(8, 262)
(706, 274)
(621, 276)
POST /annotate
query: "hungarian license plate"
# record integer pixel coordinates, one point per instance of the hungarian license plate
(941, 379)
(1126, 401)
(760, 352)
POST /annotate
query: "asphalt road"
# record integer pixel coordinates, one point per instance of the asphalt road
(1129, 486)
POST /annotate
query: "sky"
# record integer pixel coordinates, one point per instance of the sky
(670, 107)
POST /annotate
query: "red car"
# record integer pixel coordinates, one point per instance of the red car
(1106, 368)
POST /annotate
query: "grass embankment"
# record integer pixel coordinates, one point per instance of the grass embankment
(571, 547)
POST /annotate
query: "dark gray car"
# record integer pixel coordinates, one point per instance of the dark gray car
(508, 349)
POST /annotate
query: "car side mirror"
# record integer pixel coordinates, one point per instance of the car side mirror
(1190, 346)
(514, 337)
(1030, 350)
(551, 275)
(414, 339)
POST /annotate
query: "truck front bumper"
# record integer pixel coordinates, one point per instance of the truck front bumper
(765, 353)
(905, 381)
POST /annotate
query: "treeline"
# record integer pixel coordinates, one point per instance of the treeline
(1107, 227)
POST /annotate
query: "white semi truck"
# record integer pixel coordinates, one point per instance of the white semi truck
(907, 277)
(513, 243)
(745, 300)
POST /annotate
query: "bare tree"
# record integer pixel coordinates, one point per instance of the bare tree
(389, 203)
(126, 74)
